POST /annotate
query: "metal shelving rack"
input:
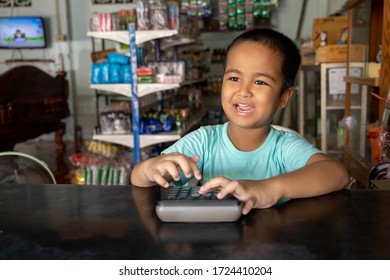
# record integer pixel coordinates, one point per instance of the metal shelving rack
(134, 90)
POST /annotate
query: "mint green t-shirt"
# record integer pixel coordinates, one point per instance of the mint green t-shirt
(282, 152)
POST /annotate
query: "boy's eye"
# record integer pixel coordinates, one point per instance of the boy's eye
(234, 79)
(260, 83)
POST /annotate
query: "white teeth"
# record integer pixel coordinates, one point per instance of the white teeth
(243, 108)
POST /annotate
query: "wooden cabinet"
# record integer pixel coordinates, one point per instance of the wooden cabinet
(321, 104)
(369, 22)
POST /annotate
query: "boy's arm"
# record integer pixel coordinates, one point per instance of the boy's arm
(319, 176)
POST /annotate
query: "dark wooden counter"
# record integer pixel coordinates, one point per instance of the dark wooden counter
(95, 222)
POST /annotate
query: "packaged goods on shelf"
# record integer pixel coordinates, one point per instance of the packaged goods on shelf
(145, 75)
(118, 58)
(106, 73)
(167, 120)
(102, 164)
(196, 8)
(218, 55)
(214, 115)
(158, 15)
(145, 71)
(332, 28)
(143, 18)
(379, 136)
(119, 72)
(156, 122)
(116, 118)
(115, 70)
(126, 74)
(103, 22)
(173, 9)
(242, 14)
(169, 71)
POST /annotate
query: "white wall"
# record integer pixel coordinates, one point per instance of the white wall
(286, 17)
(74, 16)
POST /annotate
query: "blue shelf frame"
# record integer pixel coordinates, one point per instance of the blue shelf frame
(134, 94)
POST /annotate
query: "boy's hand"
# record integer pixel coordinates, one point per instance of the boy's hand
(252, 193)
(164, 168)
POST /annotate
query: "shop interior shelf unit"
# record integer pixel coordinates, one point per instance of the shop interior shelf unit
(125, 90)
(149, 139)
(141, 36)
(318, 121)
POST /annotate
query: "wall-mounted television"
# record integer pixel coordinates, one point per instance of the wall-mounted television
(22, 32)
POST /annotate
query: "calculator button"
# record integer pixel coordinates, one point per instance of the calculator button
(207, 195)
(195, 194)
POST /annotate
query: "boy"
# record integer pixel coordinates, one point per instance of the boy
(246, 156)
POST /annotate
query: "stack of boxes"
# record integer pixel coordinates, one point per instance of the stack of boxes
(330, 35)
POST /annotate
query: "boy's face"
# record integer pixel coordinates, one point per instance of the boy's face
(251, 85)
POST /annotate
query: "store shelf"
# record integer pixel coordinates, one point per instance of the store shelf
(145, 139)
(340, 107)
(178, 40)
(143, 89)
(191, 82)
(149, 139)
(372, 82)
(140, 36)
(137, 141)
(335, 107)
(125, 89)
(27, 61)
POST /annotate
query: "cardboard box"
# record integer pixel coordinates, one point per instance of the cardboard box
(334, 27)
(373, 69)
(338, 53)
(308, 56)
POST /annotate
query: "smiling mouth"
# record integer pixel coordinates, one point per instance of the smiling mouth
(244, 108)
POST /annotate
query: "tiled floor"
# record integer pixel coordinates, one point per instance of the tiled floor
(59, 164)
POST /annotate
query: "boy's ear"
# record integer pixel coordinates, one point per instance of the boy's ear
(285, 98)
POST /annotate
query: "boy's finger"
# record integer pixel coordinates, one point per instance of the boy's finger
(229, 188)
(160, 180)
(211, 185)
(195, 158)
(248, 205)
(173, 170)
(195, 169)
(188, 167)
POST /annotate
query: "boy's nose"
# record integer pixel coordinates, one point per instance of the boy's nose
(244, 93)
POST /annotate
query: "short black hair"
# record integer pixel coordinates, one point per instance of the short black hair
(279, 43)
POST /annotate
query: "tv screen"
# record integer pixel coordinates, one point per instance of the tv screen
(22, 32)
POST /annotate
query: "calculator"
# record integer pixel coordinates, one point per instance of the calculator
(200, 233)
(186, 204)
